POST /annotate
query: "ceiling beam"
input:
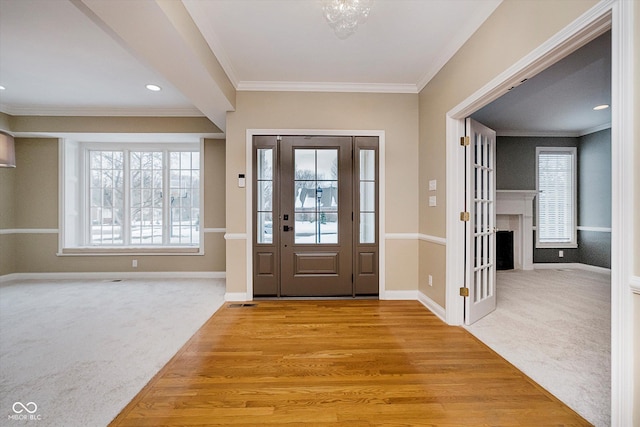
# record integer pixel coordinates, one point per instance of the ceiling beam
(162, 35)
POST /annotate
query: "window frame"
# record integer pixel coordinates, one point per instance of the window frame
(573, 242)
(75, 202)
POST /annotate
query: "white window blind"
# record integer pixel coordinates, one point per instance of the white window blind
(556, 170)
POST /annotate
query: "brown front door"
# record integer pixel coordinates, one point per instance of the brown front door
(316, 216)
(316, 231)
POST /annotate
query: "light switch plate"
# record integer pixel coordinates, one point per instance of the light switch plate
(432, 200)
(433, 185)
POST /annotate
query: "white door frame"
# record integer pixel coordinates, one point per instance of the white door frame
(617, 15)
(315, 132)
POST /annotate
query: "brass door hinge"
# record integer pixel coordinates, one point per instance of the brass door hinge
(465, 141)
(464, 216)
(464, 292)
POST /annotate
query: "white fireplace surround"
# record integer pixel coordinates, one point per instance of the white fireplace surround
(514, 212)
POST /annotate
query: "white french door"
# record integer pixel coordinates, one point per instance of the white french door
(480, 231)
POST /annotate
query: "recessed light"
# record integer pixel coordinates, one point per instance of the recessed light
(154, 88)
(601, 107)
(2, 88)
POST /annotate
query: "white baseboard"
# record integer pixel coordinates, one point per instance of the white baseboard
(433, 306)
(399, 295)
(137, 275)
(430, 304)
(574, 265)
(236, 296)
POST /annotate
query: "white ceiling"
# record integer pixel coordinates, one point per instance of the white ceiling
(94, 57)
(558, 101)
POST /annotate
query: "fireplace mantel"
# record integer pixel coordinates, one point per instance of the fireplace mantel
(518, 204)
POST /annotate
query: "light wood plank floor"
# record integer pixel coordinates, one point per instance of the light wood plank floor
(352, 363)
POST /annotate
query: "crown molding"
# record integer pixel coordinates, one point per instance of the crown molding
(538, 134)
(465, 32)
(553, 134)
(34, 110)
(271, 86)
(595, 129)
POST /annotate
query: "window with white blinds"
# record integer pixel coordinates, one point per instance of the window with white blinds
(556, 201)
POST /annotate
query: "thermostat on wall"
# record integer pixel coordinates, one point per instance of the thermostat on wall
(241, 180)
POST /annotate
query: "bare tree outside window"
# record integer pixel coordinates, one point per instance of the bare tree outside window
(163, 208)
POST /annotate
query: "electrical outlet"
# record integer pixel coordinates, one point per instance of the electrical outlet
(430, 280)
(560, 254)
(432, 200)
(433, 185)
(134, 263)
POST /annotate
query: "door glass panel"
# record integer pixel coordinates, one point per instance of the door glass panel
(265, 163)
(316, 196)
(327, 164)
(367, 196)
(368, 165)
(265, 227)
(264, 191)
(367, 227)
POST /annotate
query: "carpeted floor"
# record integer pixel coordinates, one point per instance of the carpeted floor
(81, 350)
(555, 326)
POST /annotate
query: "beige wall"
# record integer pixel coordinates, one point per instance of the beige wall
(396, 114)
(516, 28)
(7, 219)
(32, 191)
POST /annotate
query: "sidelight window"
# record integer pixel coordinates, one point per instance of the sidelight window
(265, 195)
(367, 196)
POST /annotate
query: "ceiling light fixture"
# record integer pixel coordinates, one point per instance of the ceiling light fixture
(2, 88)
(601, 107)
(345, 15)
(153, 88)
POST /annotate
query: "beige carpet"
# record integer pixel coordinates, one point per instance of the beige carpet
(78, 351)
(555, 326)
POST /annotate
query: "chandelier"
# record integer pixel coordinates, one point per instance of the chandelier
(345, 15)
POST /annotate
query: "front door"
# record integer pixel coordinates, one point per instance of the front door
(316, 228)
(316, 216)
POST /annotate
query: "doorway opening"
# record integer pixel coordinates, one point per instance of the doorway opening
(315, 209)
(613, 15)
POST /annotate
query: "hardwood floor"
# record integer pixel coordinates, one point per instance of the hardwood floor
(352, 363)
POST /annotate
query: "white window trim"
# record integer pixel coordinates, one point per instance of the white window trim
(81, 248)
(574, 207)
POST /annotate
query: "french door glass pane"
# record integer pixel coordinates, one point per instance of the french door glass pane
(316, 196)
